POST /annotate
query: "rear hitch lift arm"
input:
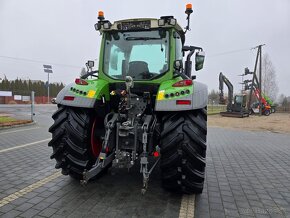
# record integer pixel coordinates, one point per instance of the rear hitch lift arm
(103, 160)
(144, 157)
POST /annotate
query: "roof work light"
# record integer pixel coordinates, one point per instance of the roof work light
(167, 20)
(102, 22)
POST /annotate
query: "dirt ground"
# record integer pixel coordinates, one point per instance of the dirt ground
(277, 122)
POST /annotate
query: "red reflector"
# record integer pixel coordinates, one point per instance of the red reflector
(181, 83)
(156, 154)
(69, 98)
(183, 102)
(81, 81)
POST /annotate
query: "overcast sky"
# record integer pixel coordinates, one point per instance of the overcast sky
(62, 32)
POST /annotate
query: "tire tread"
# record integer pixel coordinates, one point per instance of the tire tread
(183, 151)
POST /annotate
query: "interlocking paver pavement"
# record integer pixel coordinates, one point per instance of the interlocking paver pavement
(247, 174)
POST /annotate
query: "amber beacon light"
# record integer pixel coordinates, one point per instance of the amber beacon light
(101, 15)
(188, 9)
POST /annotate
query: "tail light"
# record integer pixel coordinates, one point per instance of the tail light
(156, 154)
(81, 82)
(69, 98)
(183, 102)
(181, 83)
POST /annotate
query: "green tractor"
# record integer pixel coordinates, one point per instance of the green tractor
(142, 106)
(270, 102)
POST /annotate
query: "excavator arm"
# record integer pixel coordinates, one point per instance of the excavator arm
(222, 80)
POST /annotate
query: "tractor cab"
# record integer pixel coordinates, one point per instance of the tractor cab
(148, 50)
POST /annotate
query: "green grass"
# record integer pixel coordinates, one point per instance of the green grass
(215, 109)
(213, 112)
(6, 119)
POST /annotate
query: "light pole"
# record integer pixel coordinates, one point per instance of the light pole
(47, 69)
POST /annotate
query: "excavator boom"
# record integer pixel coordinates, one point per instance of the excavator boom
(223, 79)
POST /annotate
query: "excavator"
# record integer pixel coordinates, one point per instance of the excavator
(236, 109)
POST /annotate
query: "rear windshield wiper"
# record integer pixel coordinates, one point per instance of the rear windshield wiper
(141, 38)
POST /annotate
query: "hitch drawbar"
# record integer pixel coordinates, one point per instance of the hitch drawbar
(102, 163)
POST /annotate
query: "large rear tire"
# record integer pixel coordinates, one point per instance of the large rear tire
(183, 151)
(72, 141)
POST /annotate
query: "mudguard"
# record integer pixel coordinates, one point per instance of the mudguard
(197, 95)
(84, 96)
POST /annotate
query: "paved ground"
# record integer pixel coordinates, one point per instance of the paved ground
(22, 112)
(248, 174)
(115, 195)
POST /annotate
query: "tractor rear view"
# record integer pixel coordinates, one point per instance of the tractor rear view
(142, 106)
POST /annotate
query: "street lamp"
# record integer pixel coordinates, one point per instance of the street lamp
(47, 69)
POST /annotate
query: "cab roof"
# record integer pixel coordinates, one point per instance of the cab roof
(139, 24)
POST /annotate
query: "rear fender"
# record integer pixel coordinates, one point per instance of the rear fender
(84, 96)
(197, 96)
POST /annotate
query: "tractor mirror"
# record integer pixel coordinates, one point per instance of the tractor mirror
(199, 60)
(90, 64)
(178, 64)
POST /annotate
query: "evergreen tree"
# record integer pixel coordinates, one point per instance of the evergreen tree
(20, 87)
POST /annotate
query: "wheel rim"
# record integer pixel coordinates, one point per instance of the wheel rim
(96, 142)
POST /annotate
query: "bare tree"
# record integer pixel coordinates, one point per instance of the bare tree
(281, 99)
(213, 96)
(269, 82)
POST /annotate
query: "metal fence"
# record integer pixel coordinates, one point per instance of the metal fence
(283, 109)
(215, 108)
(21, 108)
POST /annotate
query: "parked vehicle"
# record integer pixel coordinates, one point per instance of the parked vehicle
(141, 104)
(255, 109)
(236, 108)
